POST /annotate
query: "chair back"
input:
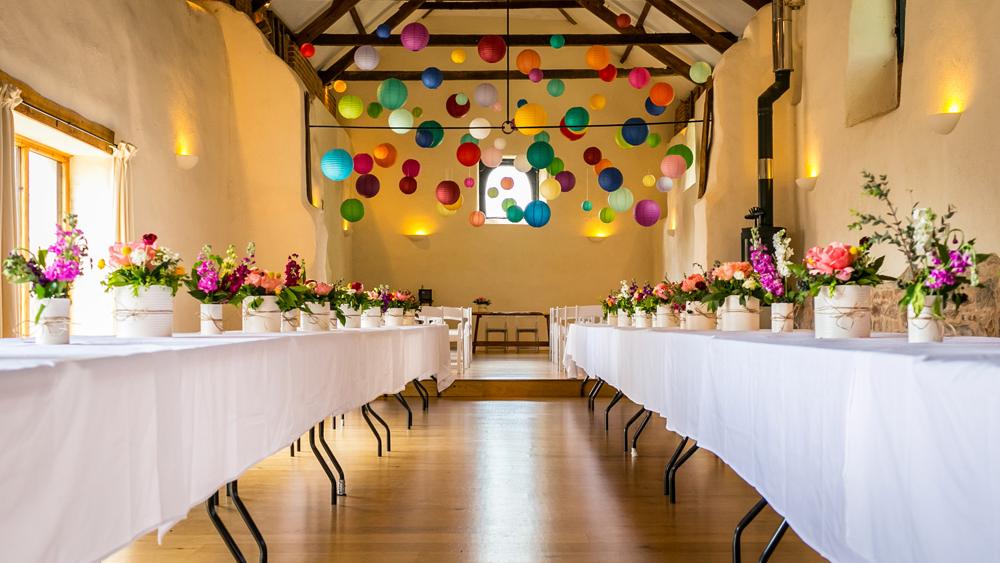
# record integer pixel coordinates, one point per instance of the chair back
(431, 315)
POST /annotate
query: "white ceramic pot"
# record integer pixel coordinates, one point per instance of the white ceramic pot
(371, 318)
(624, 320)
(315, 318)
(394, 316)
(265, 318)
(410, 318)
(144, 311)
(642, 320)
(845, 314)
(290, 321)
(737, 317)
(924, 327)
(666, 317)
(50, 321)
(352, 317)
(210, 317)
(782, 317)
(697, 316)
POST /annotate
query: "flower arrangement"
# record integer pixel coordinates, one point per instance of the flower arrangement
(400, 299)
(839, 264)
(609, 305)
(774, 268)
(942, 262)
(143, 263)
(354, 296)
(736, 279)
(693, 287)
(215, 279)
(50, 271)
(666, 293)
(292, 291)
(644, 299)
(626, 297)
(482, 301)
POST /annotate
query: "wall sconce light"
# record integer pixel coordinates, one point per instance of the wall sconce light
(806, 184)
(418, 236)
(186, 161)
(598, 237)
(943, 123)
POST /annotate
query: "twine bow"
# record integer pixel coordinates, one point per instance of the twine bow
(130, 314)
(217, 321)
(842, 313)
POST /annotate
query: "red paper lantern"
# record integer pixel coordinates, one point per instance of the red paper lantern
(492, 48)
(407, 184)
(363, 163)
(411, 167)
(456, 109)
(592, 155)
(571, 135)
(623, 21)
(608, 73)
(468, 154)
(447, 192)
(307, 50)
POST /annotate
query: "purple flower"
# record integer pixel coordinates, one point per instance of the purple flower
(959, 263)
(763, 264)
(940, 277)
(63, 270)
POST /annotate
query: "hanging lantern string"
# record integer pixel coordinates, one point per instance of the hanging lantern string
(507, 58)
(497, 127)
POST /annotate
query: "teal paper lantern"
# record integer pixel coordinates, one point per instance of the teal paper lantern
(537, 213)
(577, 119)
(555, 87)
(543, 137)
(540, 154)
(468, 138)
(684, 152)
(556, 166)
(557, 41)
(607, 215)
(337, 164)
(621, 199)
(374, 110)
(587, 205)
(507, 203)
(352, 210)
(429, 134)
(392, 93)
(515, 214)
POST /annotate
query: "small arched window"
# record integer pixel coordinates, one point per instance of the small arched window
(874, 58)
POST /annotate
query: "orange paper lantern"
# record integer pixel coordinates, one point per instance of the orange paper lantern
(385, 155)
(598, 57)
(527, 60)
(604, 163)
(506, 182)
(661, 94)
(477, 218)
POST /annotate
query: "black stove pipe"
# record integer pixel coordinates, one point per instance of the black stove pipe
(781, 24)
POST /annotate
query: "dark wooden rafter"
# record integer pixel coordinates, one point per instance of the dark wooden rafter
(676, 63)
(711, 37)
(638, 25)
(515, 40)
(341, 64)
(326, 18)
(757, 4)
(500, 5)
(566, 16)
(451, 75)
(360, 25)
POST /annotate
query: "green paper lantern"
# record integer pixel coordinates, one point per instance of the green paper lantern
(621, 199)
(418, 111)
(684, 152)
(374, 110)
(515, 214)
(468, 138)
(352, 210)
(620, 141)
(577, 119)
(492, 193)
(700, 71)
(507, 204)
(543, 137)
(557, 41)
(555, 87)
(461, 99)
(556, 166)
(607, 215)
(400, 120)
(587, 205)
(392, 93)
(350, 107)
(653, 140)
(540, 154)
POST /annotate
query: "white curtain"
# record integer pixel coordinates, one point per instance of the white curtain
(10, 98)
(122, 154)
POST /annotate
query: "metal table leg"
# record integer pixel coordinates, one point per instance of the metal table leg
(341, 483)
(607, 411)
(594, 392)
(673, 472)
(670, 464)
(323, 464)
(388, 433)
(773, 544)
(642, 426)
(422, 391)
(234, 493)
(409, 413)
(583, 384)
(744, 522)
(378, 438)
(630, 422)
(220, 527)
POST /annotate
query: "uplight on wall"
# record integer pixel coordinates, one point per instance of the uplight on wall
(598, 237)
(417, 235)
(186, 161)
(807, 184)
(944, 123)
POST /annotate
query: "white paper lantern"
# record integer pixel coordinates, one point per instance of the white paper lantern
(485, 94)
(664, 184)
(366, 57)
(480, 128)
(400, 120)
(492, 157)
(500, 143)
(521, 163)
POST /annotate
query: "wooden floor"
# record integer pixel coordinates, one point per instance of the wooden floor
(484, 481)
(511, 365)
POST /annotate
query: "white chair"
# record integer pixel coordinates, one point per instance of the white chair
(457, 334)
(554, 315)
(469, 337)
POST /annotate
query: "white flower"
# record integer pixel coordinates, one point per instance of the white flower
(750, 284)
(738, 275)
(923, 230)
(782, 253)
(137, 258)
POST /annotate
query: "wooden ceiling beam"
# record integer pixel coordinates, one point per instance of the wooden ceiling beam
(326, 18)
(516, 40)
(711, 37)
(638, 25)
(451, 75)
(501, 5)
(358, 24)
(757, 4)
(398, 17)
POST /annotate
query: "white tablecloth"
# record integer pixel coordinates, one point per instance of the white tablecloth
(874, 450)
(104, 440)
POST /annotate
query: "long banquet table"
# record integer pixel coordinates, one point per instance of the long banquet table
(104, 440)
(873, 450)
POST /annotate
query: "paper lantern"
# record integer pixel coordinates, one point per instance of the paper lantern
(352, 210)
(602, 165)
(663, 184)
(623, 20)
(598, 57)
(480, 128)
(620, 141)
(536, 75)
(385, 155)
(444, 211)
(577, 119)
(414, 36)
(485, 94)
(566, 179)
(587, 205)
(407, 184)
(608, 73)
(457, 205)
(506, 182)
(411, 167)
(653, 140)
(610, 179)
(684, 152)
(492, 193)
(540, 154)
(592, 155)
(417, 111)
(653, 109)
(500, 143)
(477, 218)
(635, 131)
(350, 107)
(366, 57)
(492, 157)
(569, 134)
(336, 164)
(638, 78)
(456, 108)
(661, 94)
(432, 77)
(307, 50)
(435, 131)
(461, 99)
(497, 106)
(673, 166)
(468, 154)
(492, 48)
(556, 166)
(598, 101)
(468, 138)
(647, 212)
(383, 31)
(550, 189)
(458, 56)
(363, 163)
(515, 214)
(367, 185)
(649, 180)
(527, 60)
(469, 181)
(374, 110)
(529, 118)
(423, 138)
(542, 137)
(621, 199)
(339, 86)
(557, 41)
(507, 203)
(520, 102)
(700, 72)
(521, 163)
(392, 93)
(607, 215)
(447, 192)
(537, 214)
(555, 87)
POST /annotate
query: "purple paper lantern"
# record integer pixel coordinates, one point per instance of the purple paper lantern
(411, 167)
(414, 36)
(647, 212)
(566, 179)
(363, 163)
(367, 185)
(536, 75)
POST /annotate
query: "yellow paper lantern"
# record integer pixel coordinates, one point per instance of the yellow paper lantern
(649, 180)
(598, 101)
(350, 107)
(458, 56)
(444, 211)
(455, 206)
(339, 86)
(529, 118)
(598, 57)
(550, 189)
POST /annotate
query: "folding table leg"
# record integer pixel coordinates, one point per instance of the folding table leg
(341, 485)
(291, 449)
(378, 438)
(594, 392)
(388, 433)
(583, 384)
(673, 472)
(220, 527)
(437, 390)
(742, 525)
(422, 391)
(670, 464)
(630, 422)
(234, 493)
(642, 426)
(607, 411)
(322, 463)
(409, 413)
(773, 544)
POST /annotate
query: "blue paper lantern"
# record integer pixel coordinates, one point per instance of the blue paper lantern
(653, 109)
(537, 213)
(435, 132)
(635, 131)
(610, 179)
(424, 138)
(337, 164)
(521, 102)
(432, 77)
(383, 31)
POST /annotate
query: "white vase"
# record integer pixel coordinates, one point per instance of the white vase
(265, 318)
(782, 317)
(642, 320)
(666, 317)
(371, 318)
(697, 316)
(738, 317)
(410, 318)
(210, 317)
(144, 311)
(50, 321)
(290, 321)
(845, 314)
(315, 318)
(352, 317)
(924, 327)
(394, 316)
(624, 320)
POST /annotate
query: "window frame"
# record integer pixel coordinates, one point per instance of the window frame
(534, 180)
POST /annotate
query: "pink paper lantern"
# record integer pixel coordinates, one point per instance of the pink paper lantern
(363, 163)
(447, 192)
(470, 182)
(411, 167)
(536, 75)
(673, 165)
(638, 78)
(646, 212)
(414, 36)
(492, 157)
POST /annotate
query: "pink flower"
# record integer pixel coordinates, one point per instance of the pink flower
(255, 278)
(357, 286)
(693, 282)
(834, 260)
(662, 291)
(149, 239)
(729, 270)
(322, 289)
(271, 282)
